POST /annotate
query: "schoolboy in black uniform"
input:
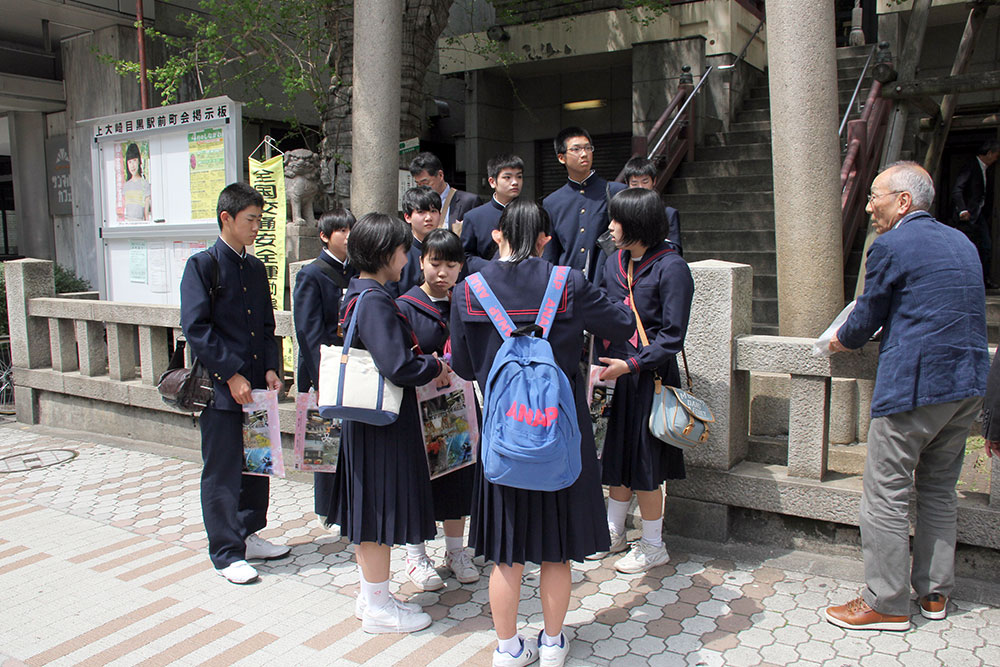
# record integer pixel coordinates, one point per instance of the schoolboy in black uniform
(579, 209)
(316, 311)
(506, 174)
(233, 336)
(422, 212)
(640, 172)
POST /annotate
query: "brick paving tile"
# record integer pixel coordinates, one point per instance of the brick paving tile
(117, 535)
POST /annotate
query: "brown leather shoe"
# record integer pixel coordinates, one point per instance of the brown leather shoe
(934, 606)
(857, 615)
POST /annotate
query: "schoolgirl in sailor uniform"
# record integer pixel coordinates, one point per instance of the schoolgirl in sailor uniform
(511, 526)
(382, 490)
(661, 292)
(427, 307)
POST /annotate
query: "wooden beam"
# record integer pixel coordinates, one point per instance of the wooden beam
(973, 25)
(927, 105)
(963, 122)
(941, 85)
(909, 56)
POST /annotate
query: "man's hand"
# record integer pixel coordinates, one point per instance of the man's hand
(274, 383)
(615, 368)
(964, 216)
(239, 387)
(993, 448)
(836, 345)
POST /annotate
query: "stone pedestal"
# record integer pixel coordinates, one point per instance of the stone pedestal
(302, 242)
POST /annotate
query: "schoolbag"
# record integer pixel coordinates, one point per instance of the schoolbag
(531, 438)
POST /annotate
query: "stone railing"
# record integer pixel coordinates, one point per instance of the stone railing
(92, 366)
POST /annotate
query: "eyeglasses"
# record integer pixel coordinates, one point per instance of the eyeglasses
(576, 150)
(872, 196)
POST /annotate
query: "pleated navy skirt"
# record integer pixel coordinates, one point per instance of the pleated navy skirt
(516, 526)
(382, 490)
(632, 457)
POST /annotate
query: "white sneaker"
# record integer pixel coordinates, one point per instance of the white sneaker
(360, 605)
(618, 544)
(552, 656)
(641, 558)
(528, 654)
(260, 549)
(240, 572)
(460, 564)
(422, 573)
(393, 617)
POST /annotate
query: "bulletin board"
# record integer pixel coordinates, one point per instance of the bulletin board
(157, 177)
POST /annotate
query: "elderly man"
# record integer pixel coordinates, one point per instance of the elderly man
(924, 287)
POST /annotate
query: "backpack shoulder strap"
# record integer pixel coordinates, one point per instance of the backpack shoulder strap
(553, 292)
(498, 316)
(330, 272)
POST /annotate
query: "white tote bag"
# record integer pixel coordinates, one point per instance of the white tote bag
(350, 385)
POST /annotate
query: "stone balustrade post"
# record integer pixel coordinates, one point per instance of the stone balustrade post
(808, 422)
(29, 336)
(720, 313)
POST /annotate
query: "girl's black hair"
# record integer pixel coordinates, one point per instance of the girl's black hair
(132, 152)
(374, 239)
(443, 245)
(641, 214)
(521, 223)
(337, 219)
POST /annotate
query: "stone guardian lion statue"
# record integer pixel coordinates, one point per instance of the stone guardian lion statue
(302, 184)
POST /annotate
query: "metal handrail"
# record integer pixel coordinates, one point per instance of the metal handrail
(857, 87)
(745, 47)
(680, 113)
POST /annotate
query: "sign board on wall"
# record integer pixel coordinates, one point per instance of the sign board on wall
(57, 171)
(157, 177)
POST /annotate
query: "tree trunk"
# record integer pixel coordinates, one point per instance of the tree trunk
(423, 22)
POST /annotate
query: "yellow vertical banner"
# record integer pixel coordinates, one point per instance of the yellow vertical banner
(268, 178)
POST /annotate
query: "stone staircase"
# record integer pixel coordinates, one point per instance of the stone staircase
(726, 195)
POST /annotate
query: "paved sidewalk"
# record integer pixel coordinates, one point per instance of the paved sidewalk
(103, 561)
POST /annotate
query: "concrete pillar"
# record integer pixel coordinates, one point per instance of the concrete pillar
(36, 237)
(378, 31)
(27, 279)
(806, 163)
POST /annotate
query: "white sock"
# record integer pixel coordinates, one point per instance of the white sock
(416, 551)
(551, 641)
(652, 532)
(513, 646)
(617, 509)
(453, 543)
(376, 595)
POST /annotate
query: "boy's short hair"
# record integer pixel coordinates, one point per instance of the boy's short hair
(637, 167)
(234, 198)
(444, 245)
(502, 161)
(571, 131)
(420, 198)
(374, 239)
(335, 220)
(641, 214)
(426, 162)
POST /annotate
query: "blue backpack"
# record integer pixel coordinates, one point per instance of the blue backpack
(531, 438)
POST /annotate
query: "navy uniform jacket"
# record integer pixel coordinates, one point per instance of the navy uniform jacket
(477, 229)
(674, 228)
(461, 203)
(238, 335)
(411, 274)
(316, 311)
(385, 332)
(579, 213)
(924, 287)
(428, 318)
(663, 289)
(519, 287)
